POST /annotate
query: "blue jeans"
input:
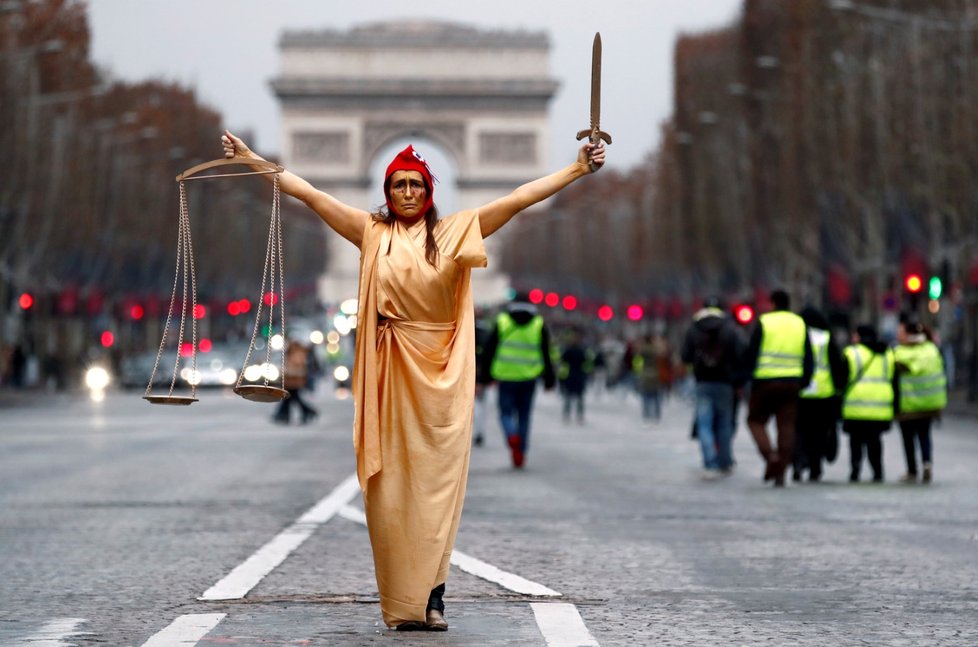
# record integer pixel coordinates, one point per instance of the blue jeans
(714, 423)
(515, 406)
(651, 405)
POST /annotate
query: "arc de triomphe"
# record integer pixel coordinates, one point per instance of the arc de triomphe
(481, 96)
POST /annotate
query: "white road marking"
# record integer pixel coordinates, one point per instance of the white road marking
(236, 584)
(474, 566)
(561, 625)
(185, 631)
(54, 632)
(504, 579)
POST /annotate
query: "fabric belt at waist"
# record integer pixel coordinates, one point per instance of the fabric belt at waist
(383, 322)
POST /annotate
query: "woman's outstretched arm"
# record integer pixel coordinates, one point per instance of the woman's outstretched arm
(345, 220)
(498, 212)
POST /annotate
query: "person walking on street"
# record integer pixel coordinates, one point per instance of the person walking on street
(645, 365)
(867, 404)
(518, 354)
(818, 406)
(923, 394)
(482, 381)
(413, 375)
(712, 347)
(576, 366)
(296, 379)
(781, 361)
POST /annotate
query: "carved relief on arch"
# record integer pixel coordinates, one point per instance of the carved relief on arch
(508, 148)
(377, 134)
(331, 147)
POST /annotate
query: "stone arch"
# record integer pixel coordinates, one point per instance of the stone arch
(482, 96)
(412, 133)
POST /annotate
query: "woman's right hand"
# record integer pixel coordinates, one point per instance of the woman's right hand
(234, 147)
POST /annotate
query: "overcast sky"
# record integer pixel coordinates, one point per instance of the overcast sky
(228, 51)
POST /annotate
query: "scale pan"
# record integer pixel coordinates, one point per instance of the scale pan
(260, 393)
(182, 400)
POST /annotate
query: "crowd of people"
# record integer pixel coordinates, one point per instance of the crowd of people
(792, 368)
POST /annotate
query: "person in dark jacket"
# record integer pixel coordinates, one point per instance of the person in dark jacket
(517, 355)
(576, 365)
(712, 347)
(483, 381)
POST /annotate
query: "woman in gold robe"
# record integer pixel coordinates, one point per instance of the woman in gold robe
(414, 375)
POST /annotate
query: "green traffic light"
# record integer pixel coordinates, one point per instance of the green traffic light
(935, 287)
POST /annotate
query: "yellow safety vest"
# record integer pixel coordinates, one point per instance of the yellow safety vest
(821, 386)
(924, 386)
(782, 352)
(870, 394)
(518, 357)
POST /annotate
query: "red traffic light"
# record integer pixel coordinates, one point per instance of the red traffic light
(136, 312)
(635, 312)
(605, 313)
(25, 301)
(569, 302)
(536, 295)
(914, 283)
(744, 313)
(107, 339)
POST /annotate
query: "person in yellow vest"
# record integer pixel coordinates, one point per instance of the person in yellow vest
(923, 394)
(783, 363)
(867, 403)
(518, 354)
(818, 405)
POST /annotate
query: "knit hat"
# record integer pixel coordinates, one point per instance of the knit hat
(411, 160)
(867, 333)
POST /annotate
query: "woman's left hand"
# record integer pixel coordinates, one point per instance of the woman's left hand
(591, 156)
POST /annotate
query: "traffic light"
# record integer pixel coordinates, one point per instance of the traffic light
(25, 301)
(605, 313)
(635, 312)
(913, 283)
(935, 287)
(744, 314)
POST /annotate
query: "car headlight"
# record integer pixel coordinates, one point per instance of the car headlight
(96, 378)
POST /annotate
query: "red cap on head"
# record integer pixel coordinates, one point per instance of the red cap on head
(411, 160)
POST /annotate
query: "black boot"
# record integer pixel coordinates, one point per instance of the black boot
(435, 613)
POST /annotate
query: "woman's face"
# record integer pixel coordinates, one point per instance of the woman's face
(408, 193)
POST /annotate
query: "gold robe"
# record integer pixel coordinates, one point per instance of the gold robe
(414, 389)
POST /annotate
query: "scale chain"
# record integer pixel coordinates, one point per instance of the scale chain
(270, 261)
(183, 234)
(173, 292)
(193, 311)
(277, 215)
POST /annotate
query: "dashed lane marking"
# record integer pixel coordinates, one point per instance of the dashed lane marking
(474, 566)
(236, 584)
(561, 625)
(185, 631)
